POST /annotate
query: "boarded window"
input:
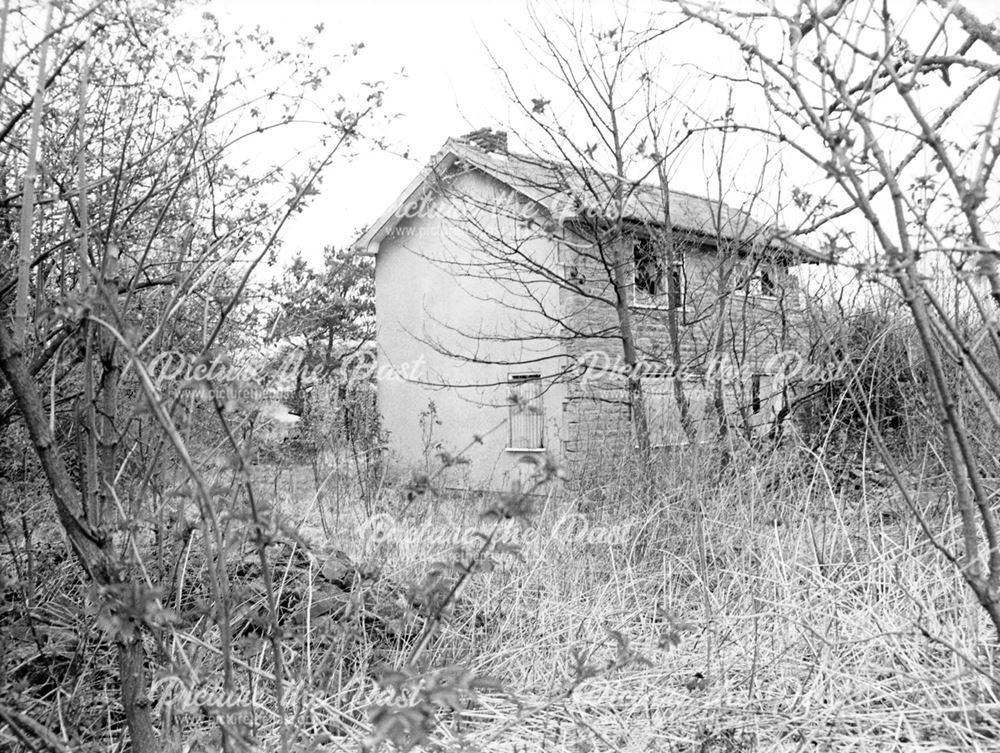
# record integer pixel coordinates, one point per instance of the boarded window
(663, 415)
(760, 395)
(527, 419)
(766, 397)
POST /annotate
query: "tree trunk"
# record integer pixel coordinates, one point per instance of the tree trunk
(135, 702)
(640, 421)
(91, 549)
(674, 291)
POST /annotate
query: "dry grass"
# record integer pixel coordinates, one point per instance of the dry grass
(774, 614)
(800, 615)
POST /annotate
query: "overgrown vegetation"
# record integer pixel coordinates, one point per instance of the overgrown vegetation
(205, 560)
(762, 610)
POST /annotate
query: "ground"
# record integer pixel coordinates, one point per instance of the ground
(763, 609)
(762, 620)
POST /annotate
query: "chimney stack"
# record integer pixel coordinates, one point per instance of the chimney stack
(488, 140)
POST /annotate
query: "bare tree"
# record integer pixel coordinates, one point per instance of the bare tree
(894, 109)
(657, 279)
(136, 237)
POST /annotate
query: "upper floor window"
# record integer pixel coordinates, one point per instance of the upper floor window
(757, 282)
(656, 283)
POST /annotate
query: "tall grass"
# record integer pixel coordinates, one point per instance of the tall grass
(763, 607)
(775, 613)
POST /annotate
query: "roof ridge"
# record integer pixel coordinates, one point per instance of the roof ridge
(533, 176)
(539, 161)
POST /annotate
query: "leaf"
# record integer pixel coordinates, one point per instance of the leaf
(390, 679)
(406, 727)
(327, 600)
(484, 682)
(448, 460)
(446, 696)
(337, 567)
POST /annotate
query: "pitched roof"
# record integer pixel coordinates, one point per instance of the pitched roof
(566, 191)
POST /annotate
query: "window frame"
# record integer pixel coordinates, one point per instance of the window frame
(765, 398)
(536, 404)
(696, 391)
(758, 272)
(661, 299)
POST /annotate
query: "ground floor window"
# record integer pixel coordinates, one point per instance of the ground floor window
(527, 419)
(766, 398)
(758, 400)
(664, 417)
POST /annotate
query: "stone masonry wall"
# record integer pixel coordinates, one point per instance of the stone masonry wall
(597, 415)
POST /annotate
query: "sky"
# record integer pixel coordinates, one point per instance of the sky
(435, 56)
(448, 88)
(439, 59)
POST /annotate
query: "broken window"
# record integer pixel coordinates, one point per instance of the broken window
(527, 420)
(758, 282)
(648, 268)
(656, 282)
(766, 399)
